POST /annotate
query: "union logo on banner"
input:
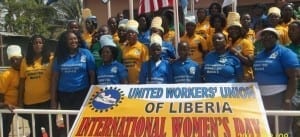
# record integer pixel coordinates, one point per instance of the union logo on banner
(172, 110)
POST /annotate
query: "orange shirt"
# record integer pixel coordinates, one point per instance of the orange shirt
(87, 37)
(37, 81)
(170, 36)
(286, 25)
(203, 28)
(9, 86)
(133, 57)
(245, 47)
(283, 35)
(251, 35)
(116, 37)
(196, 53)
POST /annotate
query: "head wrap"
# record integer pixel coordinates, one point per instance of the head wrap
(107, 40)
(13, 51)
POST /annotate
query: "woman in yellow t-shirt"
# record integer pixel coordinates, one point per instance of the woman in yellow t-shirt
(9, 83)
(35, 78)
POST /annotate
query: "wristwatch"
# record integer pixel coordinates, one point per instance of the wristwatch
(288, 101)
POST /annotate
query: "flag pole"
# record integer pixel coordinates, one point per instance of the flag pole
(131, 16)
(176, 24)
(234, 6)
(192, 6)
(108, 9)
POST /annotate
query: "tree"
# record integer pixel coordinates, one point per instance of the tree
(29, 17)
(68, 9)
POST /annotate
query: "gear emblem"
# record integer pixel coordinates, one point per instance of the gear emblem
(106, 99)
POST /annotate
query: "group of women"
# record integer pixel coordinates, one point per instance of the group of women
(139, 52)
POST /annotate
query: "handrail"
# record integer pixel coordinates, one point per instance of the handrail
(41, 111)
(49, 112)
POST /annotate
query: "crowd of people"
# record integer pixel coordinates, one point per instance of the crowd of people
(216, 47)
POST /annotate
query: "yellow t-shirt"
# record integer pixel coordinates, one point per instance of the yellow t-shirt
(245, 47)
(9, 86)
(116, 37)
(251, 35)
(37, 81)
(203, 28)
(170, 36)
(283, 35)
(133, 57)
(211, 33)
(87, 37)
(286, 25)
(195, 53)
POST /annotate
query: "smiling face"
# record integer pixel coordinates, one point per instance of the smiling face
(72, 41)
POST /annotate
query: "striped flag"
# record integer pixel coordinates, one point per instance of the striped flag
(146, 6)
(228, 2)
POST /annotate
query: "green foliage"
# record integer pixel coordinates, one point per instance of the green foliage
(297, 13)
(69, 9)
(29, 17)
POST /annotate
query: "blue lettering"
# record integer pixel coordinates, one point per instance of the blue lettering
(145, 93)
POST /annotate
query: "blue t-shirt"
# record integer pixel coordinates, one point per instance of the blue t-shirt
(269, 67)
(221, 68)
(168, 51)
(160, 72)
(187, 71)
(144, 37)
(112, 73)
(74, 71)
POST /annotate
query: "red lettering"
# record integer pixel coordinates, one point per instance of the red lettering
(100, 126)
(239, 127)
(114, 126)
(205, 125)
(148, 126)
(225, 122)
(176, 126)
(255, 123)
(121, 127)
(213, 126)
(197, 123)
(162, 132)
(140, 126)
(187, 127)
(248, 127)
(84, 126)
(134, 120)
